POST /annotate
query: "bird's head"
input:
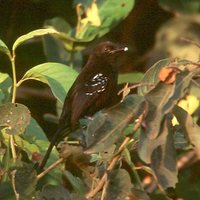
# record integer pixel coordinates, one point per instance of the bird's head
(108, 50)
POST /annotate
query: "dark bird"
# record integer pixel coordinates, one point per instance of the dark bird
(94, 89)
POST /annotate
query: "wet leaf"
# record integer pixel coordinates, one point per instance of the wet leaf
(107, 126)
(14, 118)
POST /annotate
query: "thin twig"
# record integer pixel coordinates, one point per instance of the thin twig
(13, 173)
(50, 168)
(12, 146)
(135, 86)
(115, 159)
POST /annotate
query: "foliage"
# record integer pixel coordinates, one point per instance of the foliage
(151, 124)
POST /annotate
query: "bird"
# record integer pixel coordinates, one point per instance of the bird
(94, 89)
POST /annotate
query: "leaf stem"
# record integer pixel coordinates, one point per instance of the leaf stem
(12, 59)
(12, 143)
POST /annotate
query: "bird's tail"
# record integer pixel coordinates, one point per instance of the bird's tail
(60, 133)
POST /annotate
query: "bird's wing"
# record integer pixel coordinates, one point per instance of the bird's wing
(86, 95)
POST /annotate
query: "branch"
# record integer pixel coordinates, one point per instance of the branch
(115, 159)
(50, 168)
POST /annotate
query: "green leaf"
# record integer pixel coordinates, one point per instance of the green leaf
(110, 13)
(26, 146)
(14, 118)
(77, 184)
(34, 135)
(25, 180)
(119, 185)
(189, 127)
(57, 192)
(32, 34)
(58, 76)
(130, 77)
(5, 88)
(151, 76)
(107, 126)
(4, 48)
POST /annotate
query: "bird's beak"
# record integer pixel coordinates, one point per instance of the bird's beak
(119, 50)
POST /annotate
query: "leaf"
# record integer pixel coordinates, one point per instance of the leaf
(29, 148)
(189, 127)
(4, 48)
(58, 76)
(25, 180)
(31, 35)
(138, 195)
(130, 77)
(54, 192)
(163, 159)
(110, 13)
(119, 185)
(77, 184)
(107, 126)
(5, 88)
(92, 16)
(14, 118)
(151, 76)
(37, 139)
(162, 99)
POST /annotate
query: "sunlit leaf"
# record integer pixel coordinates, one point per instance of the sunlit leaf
(58, 76)
(32, 34)
(14, 118)
(110, 14)
(5, 88)
(4, 48)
